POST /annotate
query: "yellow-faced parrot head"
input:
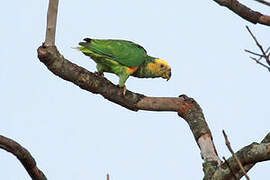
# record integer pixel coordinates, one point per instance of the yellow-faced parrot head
(163, 68)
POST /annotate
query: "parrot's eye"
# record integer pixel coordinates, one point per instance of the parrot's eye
(161, 65)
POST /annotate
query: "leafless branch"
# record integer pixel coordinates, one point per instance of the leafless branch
(257, 42)
(245, 12)
(248, 155)
(256, 54)
(264, 53)
(24, 157)
(257, 61)
(233, 154)
(186, 107)
(267, 51)
(263, 2)
(51, 23)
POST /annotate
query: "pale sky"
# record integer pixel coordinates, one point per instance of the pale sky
(74, 134)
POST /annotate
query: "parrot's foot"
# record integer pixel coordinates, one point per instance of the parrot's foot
(99, 73)
(124, 89)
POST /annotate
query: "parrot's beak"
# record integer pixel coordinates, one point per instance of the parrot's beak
(168, 75)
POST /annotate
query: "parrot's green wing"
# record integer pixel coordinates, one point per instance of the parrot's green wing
(126, 53)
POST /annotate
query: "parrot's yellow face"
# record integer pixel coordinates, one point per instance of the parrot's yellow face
(160, 68)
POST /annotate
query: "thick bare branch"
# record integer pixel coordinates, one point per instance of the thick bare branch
(186, 107)
(51, 23)
(228, 165)
(245, 12)
(247, 167)
(248, 156)
(24, 157)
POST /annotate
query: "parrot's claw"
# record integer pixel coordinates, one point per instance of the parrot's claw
(124, 90)
(99, 73)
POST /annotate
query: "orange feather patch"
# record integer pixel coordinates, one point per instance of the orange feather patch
(131, 70)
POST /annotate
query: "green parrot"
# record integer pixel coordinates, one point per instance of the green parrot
(124, 58)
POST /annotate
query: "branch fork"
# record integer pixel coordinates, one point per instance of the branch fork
(265, 54)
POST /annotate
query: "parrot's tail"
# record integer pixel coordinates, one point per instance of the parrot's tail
(77, 48)
(86, 44)
(87, 40)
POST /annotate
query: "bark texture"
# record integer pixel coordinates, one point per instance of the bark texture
(249, 156)
(51, 22)
(186, 107)
(86, 80)
(245, 12)
(24, 157)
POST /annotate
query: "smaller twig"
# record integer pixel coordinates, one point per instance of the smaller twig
(233, 154)
(264, 53)
(257, 61)
(229, 167)
(51, 23)
(257, 43)
(108, 176)
(267, 51)
(260, 56)
(256, 54)
(263, 2)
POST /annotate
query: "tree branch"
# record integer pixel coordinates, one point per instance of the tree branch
(264, 53)
(248, 156)
(245, 12)
(247, 167)
(228, 144)
(24, 157)
(51, 23)
(263, 2)
(186, 107)
(231, 170)
(260, 63)
(257, 42)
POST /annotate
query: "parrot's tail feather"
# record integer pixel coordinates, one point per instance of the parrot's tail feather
(87, 40)
(85, 45)
(82, 44)
(77, 48)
